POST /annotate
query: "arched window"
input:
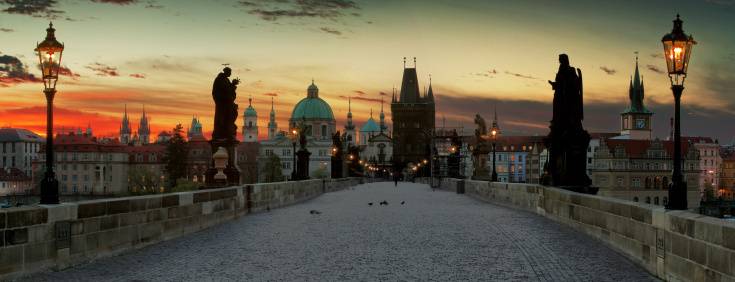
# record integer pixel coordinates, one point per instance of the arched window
(666, 200)
(635, 199)
(648, 200)
(648, 183)
(655, 201)
(657, 182)
(324, 130)
(250, 123)
(665, 183)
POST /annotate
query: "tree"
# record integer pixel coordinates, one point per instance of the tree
(271, 170)
(176, 157)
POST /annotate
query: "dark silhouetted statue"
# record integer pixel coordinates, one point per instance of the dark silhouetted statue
(225, 114)
(568, 141)
(337, 152)
(224, 133)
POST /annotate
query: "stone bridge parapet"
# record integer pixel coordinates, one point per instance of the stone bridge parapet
(37, 238)
(673, 245)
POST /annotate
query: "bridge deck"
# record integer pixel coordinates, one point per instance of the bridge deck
(437, 235)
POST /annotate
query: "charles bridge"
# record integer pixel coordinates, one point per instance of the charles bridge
(465, 230)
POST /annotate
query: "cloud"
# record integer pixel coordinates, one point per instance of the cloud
(65, 71)
(361, 98)
(608, 70)
(654, 69)
(383, 93)
(103, 70)
(274, 10)
(116, 2)
(13, 71)
(330, 30)
(520, 75)
(2, 29)
(34, 8)
(358, 92)
(272, 94)
(137, 75)
(490, 73)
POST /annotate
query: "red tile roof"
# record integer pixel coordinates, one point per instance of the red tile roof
(638, 148)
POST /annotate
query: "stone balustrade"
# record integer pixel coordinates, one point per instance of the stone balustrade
(37, 238)
(673, 245)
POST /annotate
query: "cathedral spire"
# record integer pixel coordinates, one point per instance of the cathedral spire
(382, 116)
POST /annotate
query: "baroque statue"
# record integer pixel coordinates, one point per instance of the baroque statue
(568, 141)
(225, 114)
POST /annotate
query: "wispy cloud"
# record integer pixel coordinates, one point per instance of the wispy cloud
(274, 10)
(13, 71)
(102, 69)
(3, 29)
(489, 73)
(361, 98)
(520, 75)
(34, 8)
(654, 69)
(137, 75)
(359, 92)
(272, 94)
(608, 70)
(117, 2)
(330, 30)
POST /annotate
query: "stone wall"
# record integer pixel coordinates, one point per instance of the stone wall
(55, 237)
(673, 245)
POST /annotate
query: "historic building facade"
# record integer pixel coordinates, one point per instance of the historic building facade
(640, 170)
(87, 165)
(250, 124)
(19, 148)
(635, 121)
(413, 121)
(316, 115)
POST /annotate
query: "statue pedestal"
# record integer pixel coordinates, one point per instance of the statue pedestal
(302, 170)
(231, 170)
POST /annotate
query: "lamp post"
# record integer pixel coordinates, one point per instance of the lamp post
(677, 49)
(49, 55)
(494, 136)
(294, 133)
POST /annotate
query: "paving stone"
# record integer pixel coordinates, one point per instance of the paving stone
(434, 236)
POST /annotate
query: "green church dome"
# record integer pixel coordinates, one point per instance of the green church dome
(250, 111)
(370, 126)
(312, 107)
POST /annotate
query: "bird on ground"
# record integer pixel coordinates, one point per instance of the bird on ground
(370, 204)
(315, 212)
(403, 202)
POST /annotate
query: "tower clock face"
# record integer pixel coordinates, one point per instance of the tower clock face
(640, 123)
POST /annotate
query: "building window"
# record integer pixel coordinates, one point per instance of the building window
(648, 200)
(635, 199)
(286, 152)
(324, 130)
(268, 152)
(666, 201)
(620, 181)
(655, 201)
(636, 182)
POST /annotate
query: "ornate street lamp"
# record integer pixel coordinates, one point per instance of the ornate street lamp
(494, 137)
(295, 136)
(677, 50)
(49, 55)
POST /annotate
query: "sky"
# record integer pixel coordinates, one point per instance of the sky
(480, 55)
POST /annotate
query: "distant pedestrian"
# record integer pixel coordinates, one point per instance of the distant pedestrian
(395, 178)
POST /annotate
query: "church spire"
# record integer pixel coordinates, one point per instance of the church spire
(636, 92)
(382, 116)
(349, 125)
(430, 95)
(495, 118)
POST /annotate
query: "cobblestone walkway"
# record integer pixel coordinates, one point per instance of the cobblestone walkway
(437, 236)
